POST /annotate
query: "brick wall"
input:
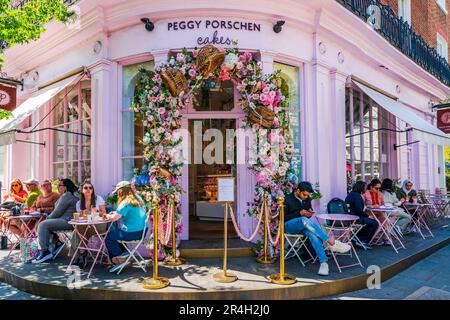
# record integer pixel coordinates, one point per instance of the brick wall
(428, 19)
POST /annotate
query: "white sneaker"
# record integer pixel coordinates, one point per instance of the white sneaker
(340, 247)
(323, 270)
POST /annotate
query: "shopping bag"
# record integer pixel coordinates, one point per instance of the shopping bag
(28, 249)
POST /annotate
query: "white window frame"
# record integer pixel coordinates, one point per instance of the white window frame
(123, 64)
(371, 161)
(404, 10)
(442, 46)
(65, 126)
(443, 5)
(297, 110)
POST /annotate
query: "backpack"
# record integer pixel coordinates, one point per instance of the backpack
(337, 206)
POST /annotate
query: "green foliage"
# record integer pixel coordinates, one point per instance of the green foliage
(5, 114)
(18, 26)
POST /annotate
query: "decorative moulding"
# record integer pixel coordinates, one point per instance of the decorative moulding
(341, 57)
(322, 48)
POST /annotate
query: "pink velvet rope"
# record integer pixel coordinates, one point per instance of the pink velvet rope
(270, 233)
(239, 232)
(164, 235)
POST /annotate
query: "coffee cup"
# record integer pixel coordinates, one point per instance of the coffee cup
(77, 215)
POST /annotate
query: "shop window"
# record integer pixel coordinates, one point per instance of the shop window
(132, 129)
(214, 95)
(291, 90)
(367, 143)
(72, 152)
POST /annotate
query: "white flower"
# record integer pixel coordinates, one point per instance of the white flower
(230, 60)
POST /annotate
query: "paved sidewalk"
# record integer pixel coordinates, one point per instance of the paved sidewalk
(10, 293)
(428, 279)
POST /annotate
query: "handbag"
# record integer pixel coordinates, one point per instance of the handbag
(28, 249)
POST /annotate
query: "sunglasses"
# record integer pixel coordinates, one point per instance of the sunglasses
(15, 185)
(88, 188)
(61, 185)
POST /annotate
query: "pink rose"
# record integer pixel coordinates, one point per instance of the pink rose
(192, 73)
(276, 122)
(261, 177)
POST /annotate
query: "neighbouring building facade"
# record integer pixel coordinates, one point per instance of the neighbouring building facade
(360, 106)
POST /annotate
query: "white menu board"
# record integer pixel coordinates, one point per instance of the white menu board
(225, 189)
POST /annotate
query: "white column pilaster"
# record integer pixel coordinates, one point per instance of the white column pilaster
(104, 134)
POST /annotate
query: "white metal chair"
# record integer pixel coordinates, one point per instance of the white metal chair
(65, 236)
(133, 252)
(295, 243)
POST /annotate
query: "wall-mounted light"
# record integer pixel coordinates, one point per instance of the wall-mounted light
(149, 26)
(278, 26)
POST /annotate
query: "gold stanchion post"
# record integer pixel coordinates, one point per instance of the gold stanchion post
(265, 258)
(155, 282)
(174, 261)
(282, 278)
(224, 276)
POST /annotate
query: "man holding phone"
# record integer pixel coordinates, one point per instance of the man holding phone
(297, 221)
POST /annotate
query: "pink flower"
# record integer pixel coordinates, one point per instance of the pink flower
(266, 89)
(259, 85)
(192, 73)
(162, 110)
(262, 97)
(273, 137)
(261, 177)
(239, 65)
(272, 94)
(255, 96)
(255, 126)
(276, 122)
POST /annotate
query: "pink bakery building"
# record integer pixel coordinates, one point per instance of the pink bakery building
(361, 94)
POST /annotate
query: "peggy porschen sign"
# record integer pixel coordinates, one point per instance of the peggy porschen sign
(217, 28)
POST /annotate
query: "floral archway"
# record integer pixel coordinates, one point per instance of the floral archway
(160, 95)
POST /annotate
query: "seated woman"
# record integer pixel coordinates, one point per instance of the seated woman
(57, 220)
(298, 211)
(16, 192)
(355, 201)
(407, 193)
(373, 197)
(16, 196)
(131, 212)
(390, 199)
(88, 200)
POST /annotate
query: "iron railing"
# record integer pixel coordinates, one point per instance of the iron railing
(401, 35)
